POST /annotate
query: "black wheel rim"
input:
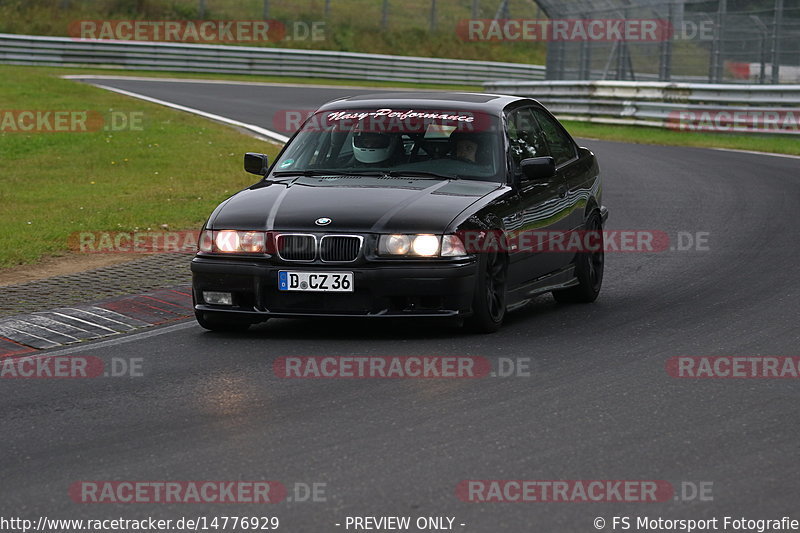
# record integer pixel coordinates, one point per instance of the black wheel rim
(495, 283)
(596, 259)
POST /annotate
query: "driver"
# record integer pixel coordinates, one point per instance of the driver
(465, 147)
(466, 150)
(371, 147)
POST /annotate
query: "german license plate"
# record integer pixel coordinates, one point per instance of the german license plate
(315, 281)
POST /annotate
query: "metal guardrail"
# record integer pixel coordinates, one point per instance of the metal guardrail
(680, 106)
(137, 55)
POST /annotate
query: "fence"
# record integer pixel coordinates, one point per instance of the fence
(428, 15)
(744, 41)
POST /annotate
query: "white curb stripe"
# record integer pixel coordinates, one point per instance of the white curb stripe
(258, 130)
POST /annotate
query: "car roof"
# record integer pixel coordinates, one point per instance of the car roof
(488, 103)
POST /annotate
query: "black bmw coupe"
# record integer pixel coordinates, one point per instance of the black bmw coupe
(407, 205)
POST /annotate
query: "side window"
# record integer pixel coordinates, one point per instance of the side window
(562, 149)
(525, 138)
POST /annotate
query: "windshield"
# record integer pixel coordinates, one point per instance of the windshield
(435, 143)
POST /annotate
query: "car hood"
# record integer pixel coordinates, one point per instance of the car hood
(354, 204)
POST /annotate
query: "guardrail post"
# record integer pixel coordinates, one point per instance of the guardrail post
(327, 8)
(502, 11)
(715, 69)
(201, 9)
(622, 54)
(762, 48)
(476, 8)
(562, 68)
(433, 15)
(265, 12)
(776, 42)
(385, 14)
(585, 70)
(665, 65)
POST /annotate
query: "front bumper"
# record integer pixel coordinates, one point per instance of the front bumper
(381, 290)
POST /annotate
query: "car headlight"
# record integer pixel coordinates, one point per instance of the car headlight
(452, 246)
(422, 245)
(232, 242)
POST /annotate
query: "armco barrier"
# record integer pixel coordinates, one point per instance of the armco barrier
(137, 55)
(685, 106)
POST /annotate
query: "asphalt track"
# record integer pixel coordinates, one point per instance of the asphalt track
(597, 405)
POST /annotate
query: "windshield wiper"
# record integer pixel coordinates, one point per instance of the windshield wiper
(282, 173)
(420, 174)
(369, 173)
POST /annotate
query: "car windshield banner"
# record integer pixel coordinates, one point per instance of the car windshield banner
(432, 122)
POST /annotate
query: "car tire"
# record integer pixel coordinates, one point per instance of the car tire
(589, 268)
(214, 322)
(489, 300)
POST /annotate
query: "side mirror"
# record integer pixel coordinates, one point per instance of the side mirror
(256, 163)
(538, 168)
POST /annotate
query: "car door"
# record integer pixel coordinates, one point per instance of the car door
(574, 172)
(540, 210)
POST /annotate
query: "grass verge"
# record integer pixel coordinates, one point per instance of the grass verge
(779, 144)
(172, 170)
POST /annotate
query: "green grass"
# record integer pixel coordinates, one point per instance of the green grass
(781, 144)
(174, 171)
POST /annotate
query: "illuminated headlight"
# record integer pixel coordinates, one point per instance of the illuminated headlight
(232, 241)
(227, 241)
(425, 245)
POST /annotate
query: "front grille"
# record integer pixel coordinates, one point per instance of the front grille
(297, 247)
(339, 248)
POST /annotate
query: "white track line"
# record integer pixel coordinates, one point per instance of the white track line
(258, 130)
(756, 153)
